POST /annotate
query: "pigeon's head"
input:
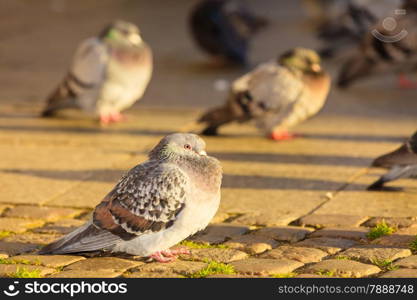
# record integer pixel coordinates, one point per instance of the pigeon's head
(122, 33)
(179, 144)
(302, 60)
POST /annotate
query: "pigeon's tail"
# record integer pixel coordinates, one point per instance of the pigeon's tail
(62, 97)
(400, 156)
(357, 67)
(215, 118)
(84, 239)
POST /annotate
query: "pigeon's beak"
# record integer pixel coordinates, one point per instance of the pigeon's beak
(316, 68)
(135, 39)
(202, 152)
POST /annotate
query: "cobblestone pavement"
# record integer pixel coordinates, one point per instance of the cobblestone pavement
(290, 209)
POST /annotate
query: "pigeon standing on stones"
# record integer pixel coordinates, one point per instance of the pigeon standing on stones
(392, 43)
(108, 74)
(156, 205)
(277, 95)
(402, 163)
(223, 28)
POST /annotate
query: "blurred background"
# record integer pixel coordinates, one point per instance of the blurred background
(38, 39)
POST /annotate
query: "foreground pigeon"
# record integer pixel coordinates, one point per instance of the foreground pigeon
(402, 163)
(277, 95)
(156, 205)
(108, 74)
(223, 28)
(392, 43)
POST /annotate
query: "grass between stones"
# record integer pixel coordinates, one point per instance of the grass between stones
(4, 234)
(25, 273)
(194, 245)
(8, 261)
(379, 230)
(326, 273)
(214, 268)
(284, 275)
(384, 264)
(413, 245)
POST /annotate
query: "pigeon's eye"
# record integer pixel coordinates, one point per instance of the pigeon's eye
(187, 146)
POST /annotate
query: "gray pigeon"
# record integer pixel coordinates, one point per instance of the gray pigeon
(277, 95)
(108, 74)
(155, 205)
(392, 43)
(402, 163)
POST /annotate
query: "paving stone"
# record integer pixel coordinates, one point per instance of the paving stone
(61, 227)
(235, 276)
(53, 261)
(220, 217)
(392, 222)
(301, 254)
(401, 273)
(218, 233)
(369, 253)
(8, 270)
(290, 234)
(216, 254)
(12, 248)
(33, 238)
(401, 238)
(86, 274)
(178, 266)
(408, 262)
(351, 233)
(329, 245)
(18, 225)
(48, 214)
(140, 274)
(312, 276)
(103, 264)
(262, 266)
(335, 220)
(253, 244)
(344, 268)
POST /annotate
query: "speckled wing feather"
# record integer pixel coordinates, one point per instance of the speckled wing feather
(147, 199)
(270, 92)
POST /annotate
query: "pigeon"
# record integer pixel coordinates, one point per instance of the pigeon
(392, 43)
(402, 163)
(108, 74)
(223, 29)
(277, 95)
(155, 205)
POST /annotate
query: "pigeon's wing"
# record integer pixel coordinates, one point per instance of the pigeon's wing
(394, 173)
(88, 67)
(268, 93)
(85, 75)
(147, 199)
(402, 156)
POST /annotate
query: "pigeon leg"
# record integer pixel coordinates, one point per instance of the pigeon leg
(160, 257)
(117, 117)
(176, 252)
(283, 135)
(105, 119)
(405, 83)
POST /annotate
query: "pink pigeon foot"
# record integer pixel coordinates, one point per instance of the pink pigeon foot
(405, 83)
(105, 119)
(117, 117)
(169, 255)
(283, 136)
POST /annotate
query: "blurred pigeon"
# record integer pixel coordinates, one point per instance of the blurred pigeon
(277, 95)
(345, 28)
(392, 43)
(108, 74)
(223, 28)
(402, 163)
(155, 205)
